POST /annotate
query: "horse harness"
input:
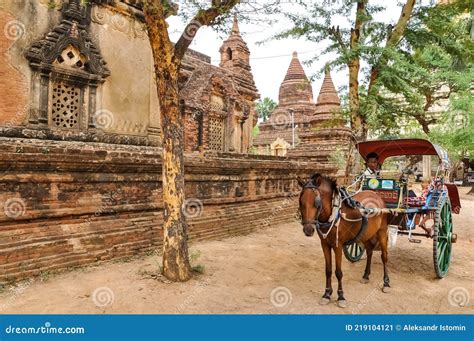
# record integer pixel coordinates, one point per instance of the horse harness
(340, 195)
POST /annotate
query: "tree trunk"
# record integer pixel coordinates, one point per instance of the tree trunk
(392, 40)
(357, 120)
(176, 266)
(356, 117)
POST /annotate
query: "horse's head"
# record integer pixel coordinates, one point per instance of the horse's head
(310, 205)
(311, 200)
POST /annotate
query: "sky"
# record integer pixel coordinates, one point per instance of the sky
(270, 61)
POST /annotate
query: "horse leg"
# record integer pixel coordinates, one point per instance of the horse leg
(383, 240)
(341, 301)
(369, 249)
(327, 257)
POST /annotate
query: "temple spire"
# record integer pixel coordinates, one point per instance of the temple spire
(328, 93)
(235, 26)
(295, 70)
(295, 87)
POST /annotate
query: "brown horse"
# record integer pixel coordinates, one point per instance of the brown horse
(316, 206)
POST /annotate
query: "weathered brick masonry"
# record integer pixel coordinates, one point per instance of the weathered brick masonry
(66, 204)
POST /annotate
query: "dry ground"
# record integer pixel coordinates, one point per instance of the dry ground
(240, 274)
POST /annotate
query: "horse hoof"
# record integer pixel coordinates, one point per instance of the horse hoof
(364, 280)
(324, 301)
(386, 289)
(342, 303)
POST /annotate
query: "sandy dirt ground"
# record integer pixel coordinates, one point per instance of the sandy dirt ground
(277, 270)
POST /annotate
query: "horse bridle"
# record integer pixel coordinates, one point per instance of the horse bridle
(318, 205)
(328, 224)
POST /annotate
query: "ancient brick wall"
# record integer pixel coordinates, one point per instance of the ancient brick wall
(13, 85)
(65, 204)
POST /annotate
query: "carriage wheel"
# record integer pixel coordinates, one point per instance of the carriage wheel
(353, 252)
(442, 239)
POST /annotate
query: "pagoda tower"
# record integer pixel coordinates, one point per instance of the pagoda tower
(325, 138)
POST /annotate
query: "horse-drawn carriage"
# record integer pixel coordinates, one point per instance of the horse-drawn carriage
(410, 215)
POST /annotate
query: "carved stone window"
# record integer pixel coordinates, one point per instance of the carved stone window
(216, 134)
(65, 105)
(67, 73)
(71, 57)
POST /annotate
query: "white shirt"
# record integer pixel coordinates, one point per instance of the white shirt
(369, 173)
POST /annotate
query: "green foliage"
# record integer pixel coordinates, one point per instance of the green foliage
(432, 66)
(423, 82)
(456, 133)
(193, 257)
(265, 107)
(255, 131)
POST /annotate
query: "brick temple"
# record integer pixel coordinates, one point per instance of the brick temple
(80, 156)
(299, 127)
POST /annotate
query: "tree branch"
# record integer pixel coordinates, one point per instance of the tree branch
(336, 33)
(397, 33)
(202, 18)
(392, 40)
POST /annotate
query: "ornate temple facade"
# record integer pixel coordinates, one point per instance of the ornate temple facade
(219, 102)
(299, 127)
(85, 73)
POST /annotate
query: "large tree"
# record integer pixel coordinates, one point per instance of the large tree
(435, 71)
(392, 67)
(167, 59)
(365, 40)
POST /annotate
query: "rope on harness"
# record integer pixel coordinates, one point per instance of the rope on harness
(344, 216)
(362, 229)
(337, 202)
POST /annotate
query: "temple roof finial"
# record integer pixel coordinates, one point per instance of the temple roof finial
(327, 69)
(295, 70)
(235, 26)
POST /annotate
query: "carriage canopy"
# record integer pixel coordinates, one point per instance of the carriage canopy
(388, 148)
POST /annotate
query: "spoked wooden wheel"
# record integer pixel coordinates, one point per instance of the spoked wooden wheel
(443, 238)
(353, 252)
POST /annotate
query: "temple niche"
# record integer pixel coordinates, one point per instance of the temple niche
(218, 102)
(299, 127)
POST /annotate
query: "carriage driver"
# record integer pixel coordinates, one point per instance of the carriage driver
(372, 166)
